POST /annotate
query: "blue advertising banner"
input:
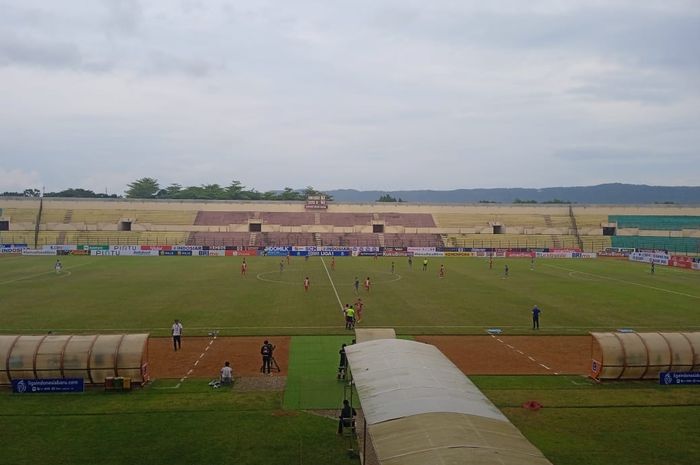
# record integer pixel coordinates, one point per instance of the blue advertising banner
(31, 386)
(679, 377)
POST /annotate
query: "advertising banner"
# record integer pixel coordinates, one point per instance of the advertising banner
(187, 247)
(156, 247)
(31, 386)
(679, 377)
(460, 254)
(38, 252)
(329, 253)
(659, 258)
(11, 250)
(388, 253)
(93, 247)
(79, 252)
(60, 247)
(241, 253)
(681, 261)
(209, 253)
(517, 254)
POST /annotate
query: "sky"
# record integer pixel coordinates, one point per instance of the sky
(369, 95)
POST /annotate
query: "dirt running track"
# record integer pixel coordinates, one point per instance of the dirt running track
(474, 355)
(518, 355)
(242, 352)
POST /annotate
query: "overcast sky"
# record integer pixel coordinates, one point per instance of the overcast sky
(365, 94)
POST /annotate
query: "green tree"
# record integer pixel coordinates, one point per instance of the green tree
(144, 188)
(387, 198)
(311, 191)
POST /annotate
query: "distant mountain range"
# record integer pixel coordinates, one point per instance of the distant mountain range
(600, 194)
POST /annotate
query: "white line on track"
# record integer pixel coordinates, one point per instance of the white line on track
(332, 284)
(632, 283)
(545, 366)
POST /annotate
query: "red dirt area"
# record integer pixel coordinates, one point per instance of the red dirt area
(242, 352)
(517, 355)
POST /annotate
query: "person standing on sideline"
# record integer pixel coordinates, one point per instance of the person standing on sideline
(357, 285)
(425, 264)
(306, 284)
(176, 331)
(266, 352)
(289, 257)
(342, 365)
(226, 374)
(490, 261)
(536, 317)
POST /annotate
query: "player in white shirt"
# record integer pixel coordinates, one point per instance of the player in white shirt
(177, 333)
(227, 374)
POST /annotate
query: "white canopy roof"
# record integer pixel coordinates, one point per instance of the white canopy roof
(371, 334)
(397, 378)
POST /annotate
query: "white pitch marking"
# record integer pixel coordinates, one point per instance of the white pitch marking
(201, 355)
(332, 285)
(190, 372)
(195, 364)
(510, 346)
(625, 282)
(499, 340)
(520, 352)
(545, 366)
(206, 348)
(531, 358)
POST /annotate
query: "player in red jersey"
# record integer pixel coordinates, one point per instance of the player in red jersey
(368, 284)
(442, 271)
(358, 308)
(306, 284)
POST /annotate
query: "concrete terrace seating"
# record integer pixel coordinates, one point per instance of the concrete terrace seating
(124, 237)
(350, 239)
(20, 215)
(656, 222)
(219, 238)
(511, 241)
(346, 219)
(283, 239)
(287, 218)
(413, 220)
(413, 240)
(214, 218)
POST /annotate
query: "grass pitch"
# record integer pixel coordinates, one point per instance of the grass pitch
(582, 423)
(145, 294)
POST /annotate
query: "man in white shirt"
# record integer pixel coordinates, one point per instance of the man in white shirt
(227, 374)
(177, 333)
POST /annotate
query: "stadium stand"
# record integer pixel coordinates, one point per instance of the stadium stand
(504, 241)
(413, 220)
(656, 222)
(685, 245)
(346, 219)
(413, 240)
(214, 218)
(218, 239)
(20, 215)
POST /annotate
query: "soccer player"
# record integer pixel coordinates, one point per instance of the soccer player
(333, 263)
(425, 264)
(357, 285)
(536, 317)
(289, 257)
(368, 284)
(244, 268)
(281, 266)
(176, 332)
(652, 267)
(58, 267)
(442, 271)
(532, 263)
(306, 284)
(358, 308)
(410, 262)
(392, 267)
(505, 271)
(490, 261)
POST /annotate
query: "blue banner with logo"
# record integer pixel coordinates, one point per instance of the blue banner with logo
(31, 386)
(679, 377)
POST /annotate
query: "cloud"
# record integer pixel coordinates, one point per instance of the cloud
(17, 180)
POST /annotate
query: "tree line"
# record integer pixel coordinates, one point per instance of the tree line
(150, 188)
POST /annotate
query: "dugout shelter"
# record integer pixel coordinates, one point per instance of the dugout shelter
(632, 355)
(419, 408)
(91, 357)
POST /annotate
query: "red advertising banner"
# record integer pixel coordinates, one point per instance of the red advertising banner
(156, 247)
(243, 253)
(681, 261)
(520, 254)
